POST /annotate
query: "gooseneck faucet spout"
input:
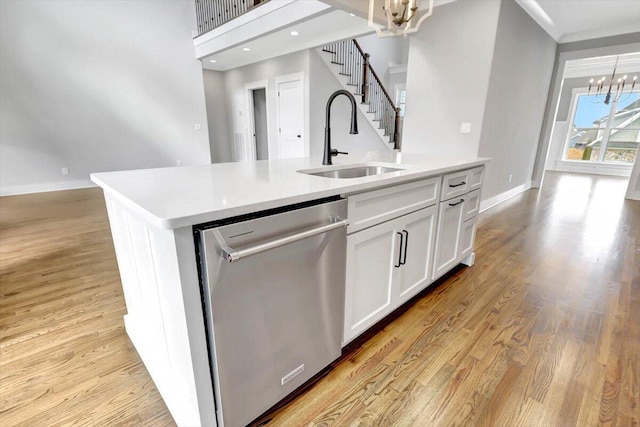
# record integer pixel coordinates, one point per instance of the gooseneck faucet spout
(328, 151)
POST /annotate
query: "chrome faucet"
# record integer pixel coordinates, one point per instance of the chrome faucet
(328, 151)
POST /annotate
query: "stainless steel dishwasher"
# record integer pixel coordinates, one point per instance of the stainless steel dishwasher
(273, 293)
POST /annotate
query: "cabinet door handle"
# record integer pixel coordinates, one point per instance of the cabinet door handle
(457, 185)
(406, 244)
(456, 204)
(400, 251)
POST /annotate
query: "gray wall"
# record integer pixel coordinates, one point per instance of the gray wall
(217, 116)
(236, 79)
(226, 92)
(605, 42)
(96, 86)
(323, 84)
(448, 77)
(384, 52)
(520, 76)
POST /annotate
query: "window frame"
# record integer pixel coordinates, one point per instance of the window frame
(575, 94)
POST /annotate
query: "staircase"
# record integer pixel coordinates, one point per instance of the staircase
(352, 68)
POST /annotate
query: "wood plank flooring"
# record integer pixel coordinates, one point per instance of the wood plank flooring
(543, 331)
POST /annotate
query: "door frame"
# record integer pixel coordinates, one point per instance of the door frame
(250, 147)
(553, 100)
(305, 113)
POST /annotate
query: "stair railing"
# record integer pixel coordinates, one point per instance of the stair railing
(354, 63)
(211, 14)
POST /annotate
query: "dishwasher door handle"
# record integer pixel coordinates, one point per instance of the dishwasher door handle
(233, 255)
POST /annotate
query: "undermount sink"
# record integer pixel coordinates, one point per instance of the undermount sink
(352, 171)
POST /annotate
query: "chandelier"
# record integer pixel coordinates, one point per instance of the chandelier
(611, 92)
(403, 17)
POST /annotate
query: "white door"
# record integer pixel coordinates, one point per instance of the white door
(291, 139)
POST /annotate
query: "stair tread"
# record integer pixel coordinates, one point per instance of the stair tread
(376, 110)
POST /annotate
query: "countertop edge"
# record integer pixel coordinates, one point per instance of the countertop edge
(414, 173)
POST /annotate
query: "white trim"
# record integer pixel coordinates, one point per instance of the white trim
(496, 200)
(628, 63)
(633, 188)
(596, 168)
(14, 190)
(248, 91)
(395, 69)
(542, 18)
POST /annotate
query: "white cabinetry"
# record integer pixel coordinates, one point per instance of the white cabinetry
(390, 262)
(457, 213)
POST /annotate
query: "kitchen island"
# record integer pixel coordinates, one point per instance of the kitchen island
(152, 214)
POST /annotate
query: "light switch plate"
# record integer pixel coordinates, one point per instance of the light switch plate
(465, 128)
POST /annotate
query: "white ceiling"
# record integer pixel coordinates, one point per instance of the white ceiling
(574, 20)
(564, 20)
(322, 29)
(347, 19)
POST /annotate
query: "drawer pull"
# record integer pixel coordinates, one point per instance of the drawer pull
(406, 243)
(457, 185)
(456, 204)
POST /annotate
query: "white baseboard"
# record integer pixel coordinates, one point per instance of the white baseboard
(489, 203)
(592, 168)
(14, 190)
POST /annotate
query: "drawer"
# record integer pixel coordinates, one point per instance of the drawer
(471, 204)
(457, 183)
(373, 207)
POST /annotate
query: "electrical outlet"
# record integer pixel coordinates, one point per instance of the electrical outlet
(465, 128)
(65, 171)
(178, 162)
(510, 177)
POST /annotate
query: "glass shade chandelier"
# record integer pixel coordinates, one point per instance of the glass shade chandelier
(403, 17)
(611, 94)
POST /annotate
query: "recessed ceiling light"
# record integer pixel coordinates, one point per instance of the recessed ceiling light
(352, 14)
(294, 33)
(246, 49)
(213, 60)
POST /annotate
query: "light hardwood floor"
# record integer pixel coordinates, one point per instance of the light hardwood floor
(544, 330)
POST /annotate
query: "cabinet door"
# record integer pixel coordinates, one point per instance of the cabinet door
(415, 272)
(371, 257)
(448, 236)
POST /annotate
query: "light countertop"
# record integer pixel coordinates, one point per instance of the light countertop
(186, 195)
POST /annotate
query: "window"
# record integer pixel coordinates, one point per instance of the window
(604, 133)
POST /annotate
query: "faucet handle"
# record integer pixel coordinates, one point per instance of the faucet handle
(335, 152)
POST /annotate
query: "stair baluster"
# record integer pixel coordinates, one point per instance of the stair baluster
(355, 64)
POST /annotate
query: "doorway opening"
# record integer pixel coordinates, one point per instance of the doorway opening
(258, 113)
(594, 124)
